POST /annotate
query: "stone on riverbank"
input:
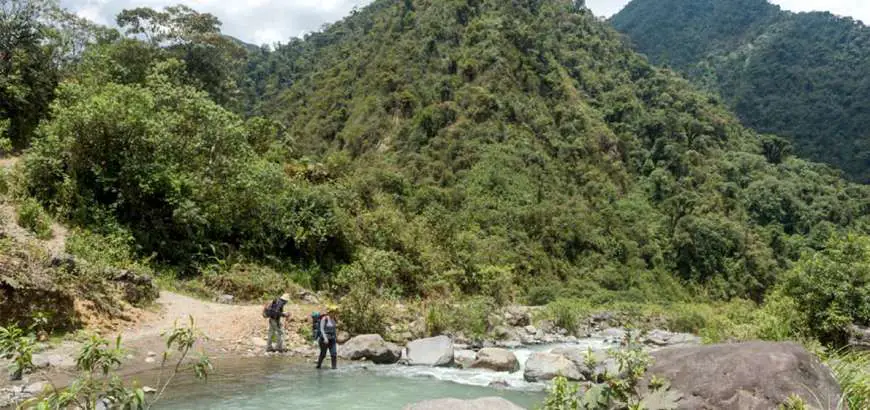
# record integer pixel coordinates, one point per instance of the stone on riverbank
(496, 359)
(433, 351)
(486, 403)
(464, 358)
(370, 347)
(756, 375)
(547, 366)
(663, 338)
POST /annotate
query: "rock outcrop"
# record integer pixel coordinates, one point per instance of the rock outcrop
(433, 351)
(486, 403)
(757, 375)
(548, 366)
(496, 359)
(663, 338)
(370, 347)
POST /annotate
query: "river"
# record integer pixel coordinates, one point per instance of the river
(284, 383)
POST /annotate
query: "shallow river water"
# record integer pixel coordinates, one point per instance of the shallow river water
(277, 383)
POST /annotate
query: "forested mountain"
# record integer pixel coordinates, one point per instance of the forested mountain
(804, 76)
(503, 150)
(522, 138)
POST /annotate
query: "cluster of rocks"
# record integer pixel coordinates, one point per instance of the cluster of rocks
(10, 396)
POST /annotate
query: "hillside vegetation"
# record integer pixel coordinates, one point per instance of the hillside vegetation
(803, 76)
(477, 151)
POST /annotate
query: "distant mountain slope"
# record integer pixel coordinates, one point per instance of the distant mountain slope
(489, 142)
(804, 76)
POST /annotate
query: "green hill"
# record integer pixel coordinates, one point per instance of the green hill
(799, 75)
(480, 141)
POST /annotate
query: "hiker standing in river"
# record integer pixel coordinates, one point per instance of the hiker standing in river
(274, 312)
(327, 336)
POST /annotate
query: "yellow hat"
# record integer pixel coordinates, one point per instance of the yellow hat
(285, 297)
(331, 309)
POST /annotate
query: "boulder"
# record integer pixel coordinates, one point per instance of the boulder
(433, 351)
(486, 403)
(370, 347)
(226, 299)
(859, 337)
(602, 363)
(547, 366)
(341, 337)
(517, 316)
(663, 338)
(755, 375)
(464, 358)
(137, 288)
(612, 335)
(531, 329)
(500, 360)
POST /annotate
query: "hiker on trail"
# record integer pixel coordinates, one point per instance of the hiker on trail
(274, 312)
(327, 336)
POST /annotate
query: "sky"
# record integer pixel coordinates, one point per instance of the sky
(270, 21)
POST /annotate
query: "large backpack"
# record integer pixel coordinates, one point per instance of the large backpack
(269, 310)
(315, 325)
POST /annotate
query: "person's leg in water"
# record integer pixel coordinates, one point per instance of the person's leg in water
(323, 347)
(273, 328)
(333, 353)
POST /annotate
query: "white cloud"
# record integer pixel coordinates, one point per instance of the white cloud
(268, 21)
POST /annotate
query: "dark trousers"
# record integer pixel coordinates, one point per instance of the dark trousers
(332, 352)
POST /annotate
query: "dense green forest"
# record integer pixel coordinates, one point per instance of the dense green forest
(508, 151)
(804, 76)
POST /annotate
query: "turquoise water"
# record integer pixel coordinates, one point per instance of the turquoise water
(275, 385)
(282, 383)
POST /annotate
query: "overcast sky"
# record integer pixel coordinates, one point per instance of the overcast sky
(269, 21)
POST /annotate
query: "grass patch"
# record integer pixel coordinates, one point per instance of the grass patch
(32, 217)
(852, 370)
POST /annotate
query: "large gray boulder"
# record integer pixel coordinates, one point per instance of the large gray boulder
(756, 375)
(433, 351)
(663, 338)
(486, 403)
(500, 360)
(548, 366)
(370, 347)
(601, 363)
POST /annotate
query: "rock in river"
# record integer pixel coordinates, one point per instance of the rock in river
(500, 360)
(370, 347)
(433, 351)
(547, 366)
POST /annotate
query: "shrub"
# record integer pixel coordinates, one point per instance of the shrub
(541, 295)
(17, 347)
(361, 312)
(246, 281)
(469, 316)
(32, 217)
(566, 313)
(831, 288)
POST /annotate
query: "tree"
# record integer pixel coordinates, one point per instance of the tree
(832, 288)
(211, 59)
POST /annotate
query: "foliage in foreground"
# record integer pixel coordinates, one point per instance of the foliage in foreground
(622, 391)
(97, 383)
(852, 370)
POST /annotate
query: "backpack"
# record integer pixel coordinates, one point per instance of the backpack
(315, 325)
(268, 310)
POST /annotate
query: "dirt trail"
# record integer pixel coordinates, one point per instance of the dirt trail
(229, 329)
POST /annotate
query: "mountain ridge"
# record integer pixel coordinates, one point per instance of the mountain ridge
(798, 75)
